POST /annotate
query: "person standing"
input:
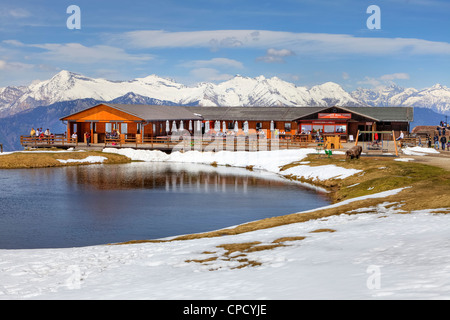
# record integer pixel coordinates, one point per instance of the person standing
(32, 133)
(436, 141)
(88, 138)
(443, 142)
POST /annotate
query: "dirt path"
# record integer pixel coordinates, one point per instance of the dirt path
(441, 160)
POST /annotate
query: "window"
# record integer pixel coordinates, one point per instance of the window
(306, 128)
(124, 128)
(108, 127)
(341, 128)
(318, 127)
(328, 129)
(287, 126)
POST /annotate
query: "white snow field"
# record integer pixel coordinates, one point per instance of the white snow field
(378, 254)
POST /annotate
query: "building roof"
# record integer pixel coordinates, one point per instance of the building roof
(254, 113)
(162, 113)
(387, 114)
(151, 112)
(401, 114)
(155, 112)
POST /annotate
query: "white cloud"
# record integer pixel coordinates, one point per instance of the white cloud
(210, 39)
(383, 80)
(373, 82)
(14, 66)
(78, 53)
(274, 55)
(300, 43)
(16, 13)
(394, 76)
(280, 53)
(215, 62)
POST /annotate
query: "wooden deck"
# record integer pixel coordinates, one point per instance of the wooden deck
(237, 143)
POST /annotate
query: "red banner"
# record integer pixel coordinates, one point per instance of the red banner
(335, 115)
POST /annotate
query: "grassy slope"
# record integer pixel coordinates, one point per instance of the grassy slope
(21, 160)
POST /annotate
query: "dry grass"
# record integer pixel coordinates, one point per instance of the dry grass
(237, 252)
(23, 160)
(284, 239)
(322, 230)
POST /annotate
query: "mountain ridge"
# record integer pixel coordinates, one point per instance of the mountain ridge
(237, 91)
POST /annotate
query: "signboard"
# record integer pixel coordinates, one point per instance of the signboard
(335, 115)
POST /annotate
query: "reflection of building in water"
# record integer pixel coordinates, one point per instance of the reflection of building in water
(162, 176)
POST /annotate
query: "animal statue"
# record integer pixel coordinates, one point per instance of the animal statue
(353, 152)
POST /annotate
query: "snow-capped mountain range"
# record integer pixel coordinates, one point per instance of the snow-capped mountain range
(238, 91)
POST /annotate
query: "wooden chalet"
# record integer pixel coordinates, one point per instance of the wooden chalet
(140, 121)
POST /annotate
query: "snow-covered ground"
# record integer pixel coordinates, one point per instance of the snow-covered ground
(376, 255)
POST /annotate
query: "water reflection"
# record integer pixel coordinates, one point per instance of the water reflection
(172, 177)
(97, 204)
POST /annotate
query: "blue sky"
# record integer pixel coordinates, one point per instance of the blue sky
(306, 42)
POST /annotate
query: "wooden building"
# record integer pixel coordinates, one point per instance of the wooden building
(137, 121)
(129, 120)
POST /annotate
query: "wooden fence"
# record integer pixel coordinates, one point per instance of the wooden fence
(182, 143)
(49, 142)
(214, 144)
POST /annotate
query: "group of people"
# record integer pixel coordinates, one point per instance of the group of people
(440, 138)
(114, 134)
(40, 134)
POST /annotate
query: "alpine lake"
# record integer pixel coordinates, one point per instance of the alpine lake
(98, 204)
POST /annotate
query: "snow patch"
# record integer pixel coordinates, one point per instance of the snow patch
(321, 172)
(90, 159)
(419, 151)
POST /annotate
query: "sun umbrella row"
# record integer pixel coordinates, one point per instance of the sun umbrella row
(198, 126)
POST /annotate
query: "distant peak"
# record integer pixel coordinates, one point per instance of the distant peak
(330, 84)
(438, 86)
(154, 77)
(65, 74)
